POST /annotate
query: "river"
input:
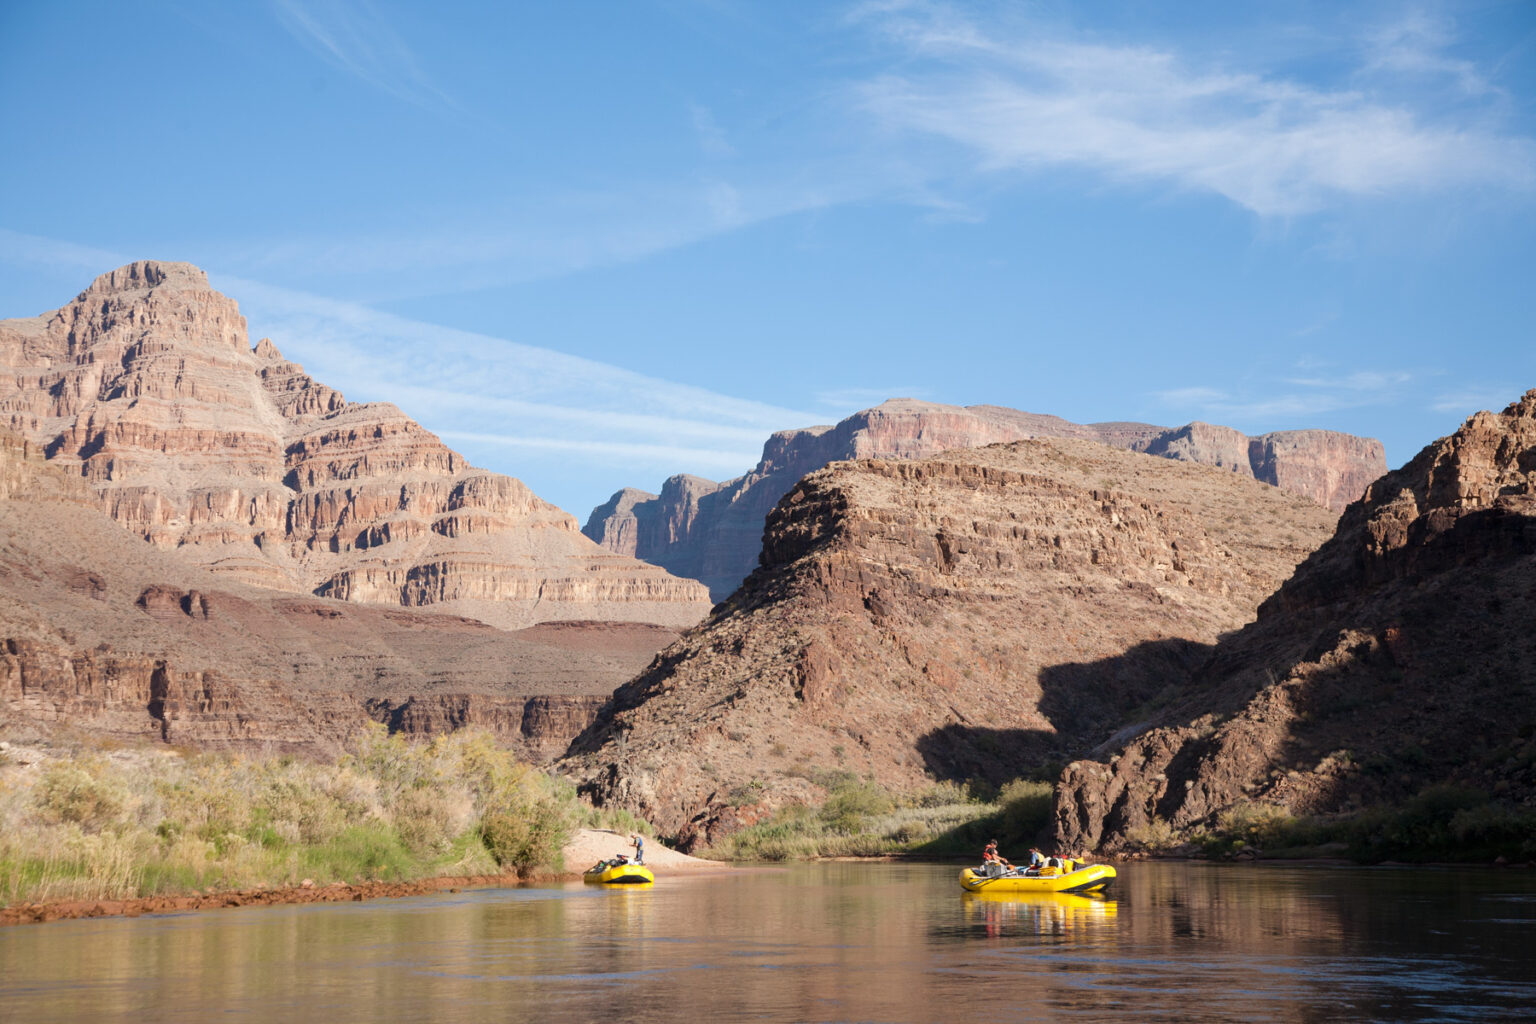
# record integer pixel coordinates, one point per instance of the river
(820, 942)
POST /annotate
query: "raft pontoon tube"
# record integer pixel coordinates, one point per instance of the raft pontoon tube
(1083, 878)
(603, 873)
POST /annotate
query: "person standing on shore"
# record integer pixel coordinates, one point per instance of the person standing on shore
(639, 845)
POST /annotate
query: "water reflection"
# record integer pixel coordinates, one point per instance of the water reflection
(889, 942)
(1063, 914)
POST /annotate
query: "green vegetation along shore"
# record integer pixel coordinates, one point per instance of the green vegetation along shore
(860, 819)
(80, 823)
(1443, 823)
(87, 823)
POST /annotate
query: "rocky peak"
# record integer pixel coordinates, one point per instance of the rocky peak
(147, 386)
(1205, 443)
(143, 275)
(717, 542)
(1366, 675)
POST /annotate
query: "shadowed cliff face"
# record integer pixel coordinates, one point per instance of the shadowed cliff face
(147, 387)
(712, 532)
(1399, 655)
(920, 618)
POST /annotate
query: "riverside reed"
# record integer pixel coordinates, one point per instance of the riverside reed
(139, 822)
(860, 819)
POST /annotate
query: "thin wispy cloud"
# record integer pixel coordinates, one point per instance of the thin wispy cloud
(1374, 381)
(1015, 99)
(1291, 399)
(17, 247)
(501, 395)
(355, 36)
(1415, 45)
(504, 392)
(1467, 401)
(557, 234)
(712, 140)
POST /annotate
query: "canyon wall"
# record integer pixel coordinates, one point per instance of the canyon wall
(712, 532)
(1399, 657)
(103, 634)
(146, 386)
(943, 616)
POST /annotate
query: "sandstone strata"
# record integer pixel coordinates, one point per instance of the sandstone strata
(712, 531)
(104, 634)
(944, 616)
(1399, 656)
(146, 386)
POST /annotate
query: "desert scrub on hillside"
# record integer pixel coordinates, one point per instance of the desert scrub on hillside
(98, 825)
(860, 819)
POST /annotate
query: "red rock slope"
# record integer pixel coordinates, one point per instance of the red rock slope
(941, 617)
(713, 531)
(147, 386)
(1400, 655)
(105, 635)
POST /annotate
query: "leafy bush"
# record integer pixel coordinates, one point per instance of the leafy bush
(526, 838)
(849, 807)
(1155, 835)
(72, 793)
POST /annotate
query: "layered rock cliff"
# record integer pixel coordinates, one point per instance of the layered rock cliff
(147, 387)
(944, 616)
(1398, 657)
(104, 634)
(712, 532)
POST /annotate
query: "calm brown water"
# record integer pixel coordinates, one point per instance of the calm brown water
(822, 942)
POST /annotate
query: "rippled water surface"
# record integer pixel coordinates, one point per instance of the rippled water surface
(822, 942)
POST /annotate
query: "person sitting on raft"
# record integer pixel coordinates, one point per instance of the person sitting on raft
(992, 862)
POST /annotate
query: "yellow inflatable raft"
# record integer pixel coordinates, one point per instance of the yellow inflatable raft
(603, 873)
(1075, 877)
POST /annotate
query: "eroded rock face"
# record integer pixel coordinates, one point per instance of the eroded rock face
(712, 532)
(1399, 655)
(104, 634)
(944, 616)
(147, 387)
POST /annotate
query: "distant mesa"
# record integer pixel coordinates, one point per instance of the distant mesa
(712, 532)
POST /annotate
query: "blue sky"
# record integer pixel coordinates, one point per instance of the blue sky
(594, 244)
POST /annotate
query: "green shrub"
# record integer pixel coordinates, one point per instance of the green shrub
(849, 807)
(527, 838)
(1155, 835)
(71, 792)
(1026, 809)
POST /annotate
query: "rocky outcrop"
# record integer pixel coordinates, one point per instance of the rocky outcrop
(539, 727)
(1399, 656)
(147, 388)
(943, 617)
(103, 634)
(1331, 468)
(713, 532)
